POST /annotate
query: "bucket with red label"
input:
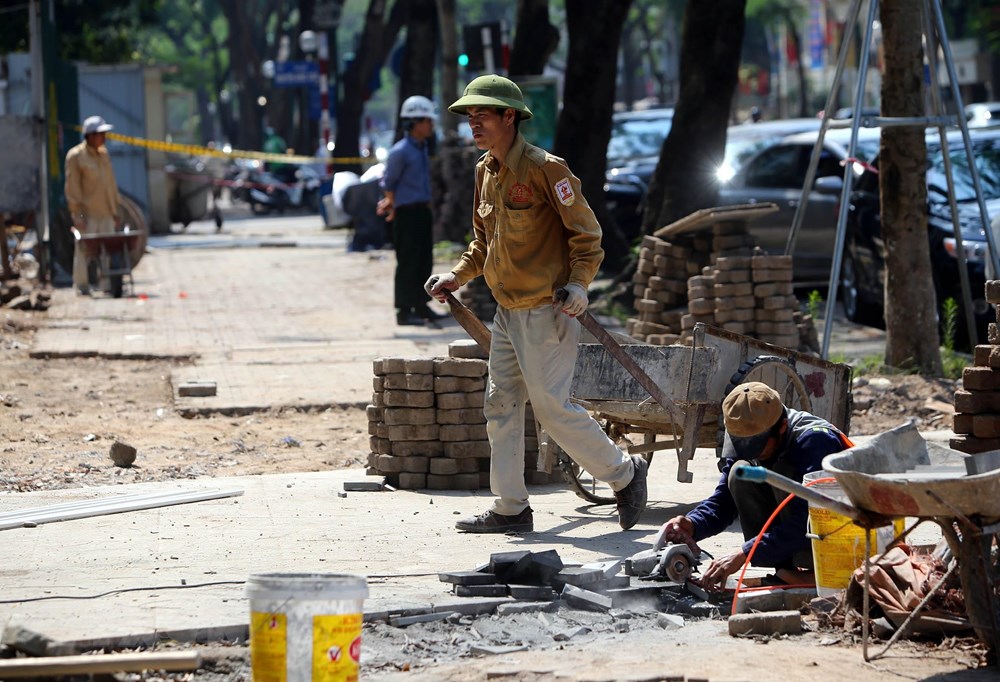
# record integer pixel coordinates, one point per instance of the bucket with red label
(305, 627)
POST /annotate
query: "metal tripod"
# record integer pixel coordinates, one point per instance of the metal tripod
(935, 36)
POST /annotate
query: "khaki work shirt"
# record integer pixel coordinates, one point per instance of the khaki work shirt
(533, 230)
(91, 189)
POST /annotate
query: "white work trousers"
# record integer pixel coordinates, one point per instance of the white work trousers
(94, 226)
(533, 357)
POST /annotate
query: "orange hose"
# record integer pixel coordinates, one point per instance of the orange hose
(753, 548)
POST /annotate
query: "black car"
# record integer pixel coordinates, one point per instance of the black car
(631, 165)
(863, 270)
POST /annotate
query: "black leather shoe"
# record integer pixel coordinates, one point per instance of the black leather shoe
(409, 319)
(491, 522)
(632, 498)
(425, 312)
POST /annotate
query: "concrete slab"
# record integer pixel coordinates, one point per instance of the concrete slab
(181, 569)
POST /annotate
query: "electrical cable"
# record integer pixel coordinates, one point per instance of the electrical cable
(182, 587)
(121, 591)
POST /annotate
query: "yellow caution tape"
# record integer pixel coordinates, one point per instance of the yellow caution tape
(197, 150)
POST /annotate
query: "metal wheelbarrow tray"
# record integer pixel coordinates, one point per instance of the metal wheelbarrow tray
(898, 473)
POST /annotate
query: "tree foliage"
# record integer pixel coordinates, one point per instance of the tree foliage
(95, 31)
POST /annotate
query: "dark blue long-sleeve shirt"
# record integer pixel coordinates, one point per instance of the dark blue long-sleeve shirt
(407, 172)
(808, 440)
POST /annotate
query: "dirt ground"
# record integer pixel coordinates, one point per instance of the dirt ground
(59, 417)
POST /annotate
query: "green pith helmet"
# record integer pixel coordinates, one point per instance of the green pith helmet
(491, 91)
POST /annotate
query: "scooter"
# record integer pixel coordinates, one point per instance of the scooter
(268, 193)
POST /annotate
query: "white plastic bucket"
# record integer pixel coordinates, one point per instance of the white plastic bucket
(838, 545)
(305, 627)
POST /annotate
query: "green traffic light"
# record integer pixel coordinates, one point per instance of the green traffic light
(463, 60)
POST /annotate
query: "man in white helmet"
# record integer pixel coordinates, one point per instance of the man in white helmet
(407, 205)
(534, 235)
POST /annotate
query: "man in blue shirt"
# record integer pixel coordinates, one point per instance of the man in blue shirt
(761, 431)
(407, 205)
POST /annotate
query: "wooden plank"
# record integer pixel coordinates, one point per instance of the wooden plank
(22, 668)
(707, 217)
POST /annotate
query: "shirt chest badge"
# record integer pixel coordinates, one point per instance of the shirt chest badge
(565, 192)
(520, 193)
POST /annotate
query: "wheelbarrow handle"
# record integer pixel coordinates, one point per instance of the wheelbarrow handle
(756, 474)
(626, 361)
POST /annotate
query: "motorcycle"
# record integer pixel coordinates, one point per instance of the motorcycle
(267, 192)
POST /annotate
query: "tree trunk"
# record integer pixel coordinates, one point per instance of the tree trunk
(710, 57)
(419, 53)
(448, 122)
(376, 41)
(631, 62)
(910, 310)
(535, 39)
(584, 129)
(800, 67)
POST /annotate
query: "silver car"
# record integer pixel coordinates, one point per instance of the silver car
(776, 173)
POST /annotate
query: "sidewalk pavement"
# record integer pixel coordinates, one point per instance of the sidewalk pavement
(272, 326)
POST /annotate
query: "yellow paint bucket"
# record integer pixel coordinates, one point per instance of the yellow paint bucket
(838, 546)
(305, 627)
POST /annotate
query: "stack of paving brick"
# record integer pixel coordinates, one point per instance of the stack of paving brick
(701, 301)
(734, 301)
(426, 423)
(776, 303)
(660, 286)
(977, 404)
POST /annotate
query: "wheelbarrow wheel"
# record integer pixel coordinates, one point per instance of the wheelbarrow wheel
(776, 372)
(583, 484)
(117, 286)
(779, 374)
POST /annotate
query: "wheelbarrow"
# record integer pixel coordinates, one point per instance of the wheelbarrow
(898, 474)
(109, 258)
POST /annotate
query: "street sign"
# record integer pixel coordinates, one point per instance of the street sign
(295, 74)
(326, 15)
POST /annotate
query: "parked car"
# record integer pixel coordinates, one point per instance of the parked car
(983, 114)
(627, 178)
(863, 270)
(776, 173)
(638, 135)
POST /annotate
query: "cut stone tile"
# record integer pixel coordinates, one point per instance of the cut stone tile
(403, 621)
(527, 607)
(481, 590)
(532, 592)
(197, 389)
(508, 566)
(468, 578)
(585, 599)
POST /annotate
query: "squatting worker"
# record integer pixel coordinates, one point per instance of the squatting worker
(91, 192)
(762, 431)
(407, 205)
(533, 235)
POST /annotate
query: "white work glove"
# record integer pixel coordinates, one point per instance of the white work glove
(438, 284)
(576, 300)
